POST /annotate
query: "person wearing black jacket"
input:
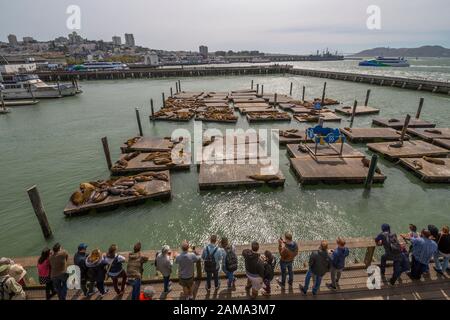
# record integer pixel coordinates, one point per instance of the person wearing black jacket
(79, 259)
(319, 265)
(443, 242)
(254, 268)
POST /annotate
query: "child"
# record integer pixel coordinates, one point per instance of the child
(269, 270)
(337, 262)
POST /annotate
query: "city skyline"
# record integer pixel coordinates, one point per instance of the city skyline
(288, 27)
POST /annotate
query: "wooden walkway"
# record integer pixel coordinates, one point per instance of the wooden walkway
(430, 134)
(360, 110)
(410, 149)
(398, 123)
(428, 171)
(371, 134)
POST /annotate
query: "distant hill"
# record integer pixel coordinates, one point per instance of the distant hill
(424, 51)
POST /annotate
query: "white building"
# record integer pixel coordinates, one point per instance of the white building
(18, 68)
(129, 40)
(151, 59)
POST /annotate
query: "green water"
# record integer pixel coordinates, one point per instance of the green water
(56, 145)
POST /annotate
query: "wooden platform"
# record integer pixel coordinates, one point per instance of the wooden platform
(156, 189)
(148, 144)
(247, 109)
(331, 170)
(233, 175)
(300, 109)
(371, 134)
(360, 110)
(296, 137)
(324, 150)
(266, 116)
(410, 149)
(397, 123)
(326, 116)
(281, 98)
(427, 171)
(428, 134)
(137, 164)
(248, 100)
(187, 95)
(218, 152)
(444, 143)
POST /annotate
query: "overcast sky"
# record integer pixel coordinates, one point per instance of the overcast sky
(278, 26)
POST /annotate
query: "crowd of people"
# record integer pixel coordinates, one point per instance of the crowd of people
(412, 255)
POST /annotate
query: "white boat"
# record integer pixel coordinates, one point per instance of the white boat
(29, 86)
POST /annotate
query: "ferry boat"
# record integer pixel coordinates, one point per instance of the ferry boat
(385, 62)
(29, 86)
(99, 66)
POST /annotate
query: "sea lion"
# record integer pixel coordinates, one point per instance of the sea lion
(264, 177)
(396, 145)
(129, 192)
(125, 183)
(366, 163)
(77, 198)
(130, 156)
(434, 160)
(114, 191)
(348, 129)
(87, 189)
(143, 178)
(393, 120)
(302, 148)
(141, 191)
(101, 196)
(417, 164)
(436, 131)
(161, 161)
(132, 141)
(161, 176)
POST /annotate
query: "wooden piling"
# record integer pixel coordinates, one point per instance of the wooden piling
(106, 152)
(152, 110)
(262, 89)
(163, 100)
(171, 92)
(323, 92)
(36, 202)
(290, 89)
(275, 100)
(371, 173)
(138, 119)
(176, 87)
(353, 113)
(419, 110)
(303, 93)
(251, 86)
(257, 88)
(405, 127)
(367, 97)
(179, 85)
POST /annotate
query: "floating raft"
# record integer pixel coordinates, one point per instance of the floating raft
(281, 98)
(360, 110)
(326, 116)
(324, 150)
(371, 134)
(398, 123)
(234, 175)
(410, 149)
(187, 95)
(445, 143)
(257, 108)
(138, 164)
(218, 152)
(332, 170)
(247, 100)
(148, 144)
(292, 136)
(430, 133)
(268, 116)
(235, 138)
(167, 114)
(428, 171)
(156, 189)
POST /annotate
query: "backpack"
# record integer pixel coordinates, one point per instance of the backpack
(210, 261)
(3, 289)
(231, 261)
(393, 243)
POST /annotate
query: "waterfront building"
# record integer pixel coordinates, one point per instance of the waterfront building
(117, 41)
(129, 40)
(12, 39)
(151, 59)
(203, 51)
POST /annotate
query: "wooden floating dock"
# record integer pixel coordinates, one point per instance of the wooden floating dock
(410, 149)
(360, 110)
(324, 150)
(427, 171)
(281, 98)
(398, 123)
(292, 136)
(156, 189)
(221, 152)
(430, 134)
(148, 144)
(138, 164)
(325, 116)
(268, 116)
(233, 175)
(371, 134)
(248, 100)
(444, 143)
(332, 170)
(263, 107)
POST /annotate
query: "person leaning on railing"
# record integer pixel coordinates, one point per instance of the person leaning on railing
(135, 269)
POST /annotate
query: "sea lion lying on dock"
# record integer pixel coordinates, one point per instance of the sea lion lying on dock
(348, 129)
(130, 156)
(77, 198)
(393, 120)
(366, 163)
(435, 131)
(264, 177)
(132, 141)
(417, 164)
(157, 175)
(434, 160)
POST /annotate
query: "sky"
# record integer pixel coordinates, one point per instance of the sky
(276, 26)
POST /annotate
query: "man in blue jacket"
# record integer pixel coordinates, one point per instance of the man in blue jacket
(212, 256)
(337, 262)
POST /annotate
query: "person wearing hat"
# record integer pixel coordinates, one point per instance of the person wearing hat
(164, 264)
(135, 269)
(79, 259)
(147, 294)
(10, 289)
(96, 271)
(58, 270)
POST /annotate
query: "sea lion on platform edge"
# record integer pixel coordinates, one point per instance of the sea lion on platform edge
(434, 160)
(264, 177)
(77, 198)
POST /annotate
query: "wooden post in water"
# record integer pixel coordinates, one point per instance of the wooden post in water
(290, 89)
(36, 202)
(106, 152)
(405, 127)
(179, 85)
(367, 98)
(163, 100)
(171, 92)
(138, 119)
(257, 88)
(262, 89)
(251, 86)
(275, 100)
(371, 173)
(353, 113)
(176, 87)
(323, 92)
(152, 110)
(303, 94)
(419, 110)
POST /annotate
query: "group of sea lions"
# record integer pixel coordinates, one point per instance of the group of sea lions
(217, 114)
(98, 191)
(290, 133)
(269, 115)
(437, 161)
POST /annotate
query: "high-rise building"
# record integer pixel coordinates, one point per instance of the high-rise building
(129, 40)
(203, 51)
(28, 39)
(117, 41)
(12, 39)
